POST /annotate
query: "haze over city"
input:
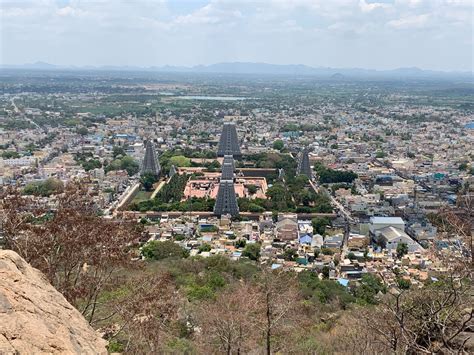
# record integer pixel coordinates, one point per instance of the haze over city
(384, 34)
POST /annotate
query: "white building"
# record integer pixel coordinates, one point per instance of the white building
(23, 161)
(377, 223)
(391, 237)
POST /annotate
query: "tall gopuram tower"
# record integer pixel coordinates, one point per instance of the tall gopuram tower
(150, 162)
(229, 142)
(304, 168)
(226, 201)
(228, 168)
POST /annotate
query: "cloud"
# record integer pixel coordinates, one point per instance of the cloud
(70, 11)
(210, 14)
(183, 32)
(410, 22)
(369, 7)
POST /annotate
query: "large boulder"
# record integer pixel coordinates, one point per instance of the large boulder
(35, 318)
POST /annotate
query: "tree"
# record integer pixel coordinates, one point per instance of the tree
(180, 160)
(351, 256)
(252, 251)
(77, 250)
(323, 291)
(147, 180)
(156, 250)
(320, 224)
(10, 155)
(213, 166)
(228, 322)
(145, 309)
(44, 188)
(403, 284)
(82, 131)
(328, 176)
(125, 163)
(327, 251)
(278, 145)
(290, 254)
(130, 165)
(463, 166)
(279, 299)
(402, 249)
(380, 154)
(205, 247)
(118, 151)
(252, 189)
(458, 221)
(91, 164)
(240, 243)
(368, 289)
(433, 319)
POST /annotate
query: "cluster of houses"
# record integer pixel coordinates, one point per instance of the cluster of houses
(290, 243)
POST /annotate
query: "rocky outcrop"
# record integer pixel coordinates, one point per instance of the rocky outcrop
(35, 318)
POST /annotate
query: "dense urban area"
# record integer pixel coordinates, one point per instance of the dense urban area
(218, 213)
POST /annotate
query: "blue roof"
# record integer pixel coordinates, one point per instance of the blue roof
(343, 282)
(306, 239)
(291, 134)
(275, 266)
(302, 261)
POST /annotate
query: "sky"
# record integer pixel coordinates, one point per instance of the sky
(373, 34)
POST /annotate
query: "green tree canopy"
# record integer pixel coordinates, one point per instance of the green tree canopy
(156, 250)
(402, 249)
(117, 150)
(180, 160)
(44, 188)
(370, 285)
(252, 251)
(205, 247)
(319, 225)
(147, 180)
(125, 163)
(278, 144)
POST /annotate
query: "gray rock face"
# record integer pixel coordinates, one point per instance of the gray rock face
(35, 318)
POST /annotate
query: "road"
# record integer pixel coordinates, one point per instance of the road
(15, 107)
(348, 219)
(346, 214)
(18, 111)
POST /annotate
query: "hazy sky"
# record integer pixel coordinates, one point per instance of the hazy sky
(430, 34)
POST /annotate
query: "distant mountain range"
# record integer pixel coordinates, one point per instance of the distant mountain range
(259, 68)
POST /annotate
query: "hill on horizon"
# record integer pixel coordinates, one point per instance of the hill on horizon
(257, 68)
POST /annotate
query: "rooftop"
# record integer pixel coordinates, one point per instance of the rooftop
(386, 220)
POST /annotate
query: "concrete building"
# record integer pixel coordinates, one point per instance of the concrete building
(377, 223)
